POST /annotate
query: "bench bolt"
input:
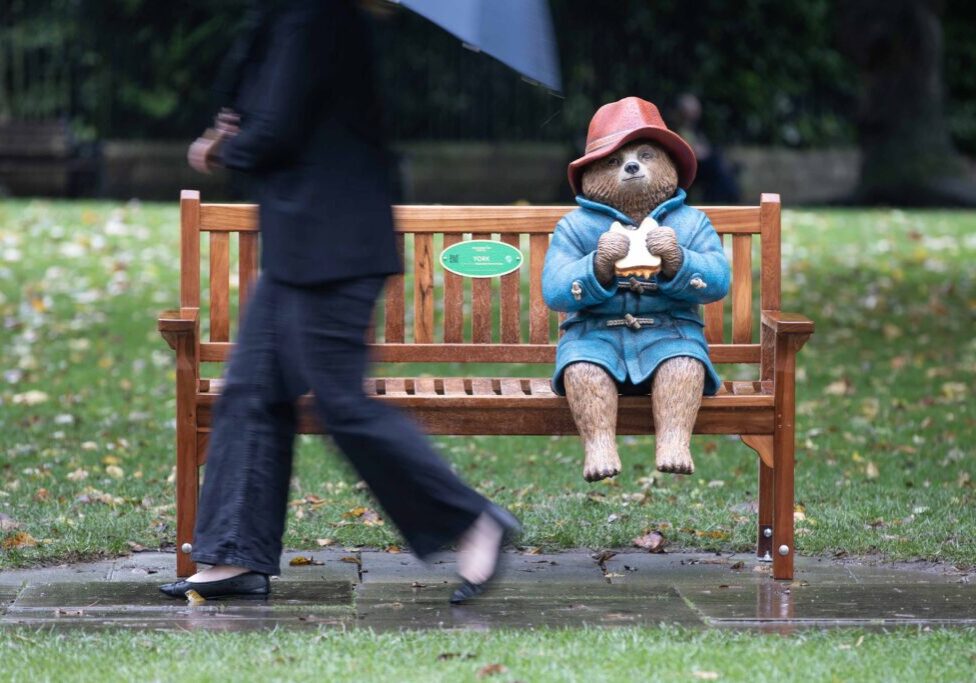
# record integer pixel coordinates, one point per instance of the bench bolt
(767, 533)
(186, 548)
(784, 550)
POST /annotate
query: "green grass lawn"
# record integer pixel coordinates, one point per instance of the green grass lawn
(670, 654)
(885, 431)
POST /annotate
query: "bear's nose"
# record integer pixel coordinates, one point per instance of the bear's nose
(632, 167)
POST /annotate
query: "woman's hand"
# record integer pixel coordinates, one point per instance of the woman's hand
(201, 154)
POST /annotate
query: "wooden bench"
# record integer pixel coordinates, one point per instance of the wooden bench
(760, 411)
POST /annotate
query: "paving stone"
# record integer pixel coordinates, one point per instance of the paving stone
(380, 567)
(694, 568)
(94, 571)
(161, 567)
(183, 621)
(139, 597)
(518, 605)
(332, 567)
(799, 602)
(7, 595)
(568, 567)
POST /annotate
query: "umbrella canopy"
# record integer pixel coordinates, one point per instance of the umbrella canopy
(517, 33)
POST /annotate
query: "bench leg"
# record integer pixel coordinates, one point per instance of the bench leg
(763, 445)
(187, 493)
(784, 384)
(764, 544)
(187, 462)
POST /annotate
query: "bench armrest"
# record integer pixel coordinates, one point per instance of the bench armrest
(177, 322)
(787, 323)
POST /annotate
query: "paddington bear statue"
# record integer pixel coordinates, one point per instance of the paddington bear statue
(631, 266)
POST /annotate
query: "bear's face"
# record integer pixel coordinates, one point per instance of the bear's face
(634, 179)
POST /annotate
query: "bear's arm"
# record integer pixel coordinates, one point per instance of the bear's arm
(704, 274)
(275, 130)
(568, 281)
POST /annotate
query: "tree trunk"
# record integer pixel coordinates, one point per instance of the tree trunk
(908, 156)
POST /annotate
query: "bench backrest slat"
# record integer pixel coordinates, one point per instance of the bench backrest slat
(713, 316)
(453, 299)
(741, 293)
(394, 302)
(539, 314)
(511, 300)
(423, 289)
(455, 319)
(219, 286)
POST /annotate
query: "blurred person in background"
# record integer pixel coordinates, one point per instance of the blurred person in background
(716, 176)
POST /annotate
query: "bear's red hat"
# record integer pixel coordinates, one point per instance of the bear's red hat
(620, 122)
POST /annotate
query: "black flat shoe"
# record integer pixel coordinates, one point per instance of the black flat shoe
(511, 528)
(251, 584)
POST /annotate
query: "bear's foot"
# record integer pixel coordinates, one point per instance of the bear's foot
(601, 464)
(675, 459)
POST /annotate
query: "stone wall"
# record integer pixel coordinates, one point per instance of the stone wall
(460, 173)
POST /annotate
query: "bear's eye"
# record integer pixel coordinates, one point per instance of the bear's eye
(646, 155)
(613, 162)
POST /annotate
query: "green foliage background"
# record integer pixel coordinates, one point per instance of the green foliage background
(769, 72)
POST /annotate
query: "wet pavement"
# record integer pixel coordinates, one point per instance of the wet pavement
(370, 589)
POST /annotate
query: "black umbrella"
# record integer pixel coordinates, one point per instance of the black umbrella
(517, 33)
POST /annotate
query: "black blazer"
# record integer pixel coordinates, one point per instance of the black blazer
(311, 139)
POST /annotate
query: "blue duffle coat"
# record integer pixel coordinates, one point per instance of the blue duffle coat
(671, 323)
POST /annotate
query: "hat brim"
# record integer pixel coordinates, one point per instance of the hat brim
(680, 151)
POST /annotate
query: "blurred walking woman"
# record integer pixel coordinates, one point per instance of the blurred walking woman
(306, 128)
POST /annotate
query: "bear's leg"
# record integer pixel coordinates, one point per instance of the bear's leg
(592, 396)
(677, 394)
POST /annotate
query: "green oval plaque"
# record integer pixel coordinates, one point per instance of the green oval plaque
(481, 258)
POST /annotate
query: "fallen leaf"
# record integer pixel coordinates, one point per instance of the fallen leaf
(355, 512)
(393, 549)
(531, 550)
(716, 534)
(78, 475)
(194, 598)
(21, 539)
(115, 471)
(444, 656)
(652, 542)
(871, 471)
(371, 518)
(42, 495)
(737, 566)
(839, 388)
(603, 556)
(351, 559)
(323, 542)
(954, 392)
(417, 584)
(8, 523)
(136, 547)
(302, 561)
(30, 398)
(110, 460)
(61, 612)
(705, 675)
(491, 670)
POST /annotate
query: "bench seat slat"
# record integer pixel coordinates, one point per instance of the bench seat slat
(485, 412)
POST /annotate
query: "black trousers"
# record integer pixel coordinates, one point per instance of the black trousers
(294, 339)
